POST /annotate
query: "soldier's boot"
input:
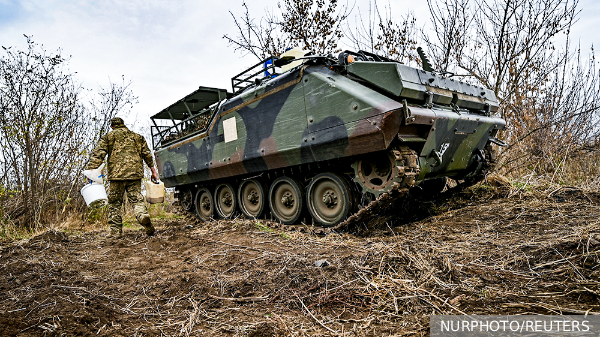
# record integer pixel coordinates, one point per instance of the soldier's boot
(145, 221)
(115, 232)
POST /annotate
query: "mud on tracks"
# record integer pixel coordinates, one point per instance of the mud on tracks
(473, 253)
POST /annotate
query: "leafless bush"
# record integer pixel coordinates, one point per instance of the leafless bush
(559, 131)
(46, 132)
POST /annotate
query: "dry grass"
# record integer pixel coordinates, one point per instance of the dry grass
(83, 219)
(557, 164)
(491, 249)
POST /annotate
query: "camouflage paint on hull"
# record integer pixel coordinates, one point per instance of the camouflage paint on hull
(278, 127)
(457, 139)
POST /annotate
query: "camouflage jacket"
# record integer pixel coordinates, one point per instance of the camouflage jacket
(125, 150)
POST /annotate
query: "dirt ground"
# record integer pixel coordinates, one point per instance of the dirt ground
(471, 252)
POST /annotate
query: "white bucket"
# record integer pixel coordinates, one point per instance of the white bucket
(94, 195)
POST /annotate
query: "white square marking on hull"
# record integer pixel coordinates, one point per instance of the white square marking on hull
(230, 130)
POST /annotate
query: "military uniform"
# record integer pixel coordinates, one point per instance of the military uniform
(125, 151)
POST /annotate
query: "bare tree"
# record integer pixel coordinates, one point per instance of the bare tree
(451, 20)
(314, 25)
(260, 39)
(503, 44)
(384, 35)
(116, 98)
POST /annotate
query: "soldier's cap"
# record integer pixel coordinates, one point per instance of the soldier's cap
(116, 121)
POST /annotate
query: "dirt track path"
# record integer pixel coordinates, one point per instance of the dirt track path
(233, 278)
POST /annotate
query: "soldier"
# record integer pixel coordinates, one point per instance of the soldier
(126, 150)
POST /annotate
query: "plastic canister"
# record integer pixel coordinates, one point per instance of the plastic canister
(155, 193)
(94, 195)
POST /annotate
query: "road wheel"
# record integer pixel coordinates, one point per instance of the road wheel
(225, 201)
(186, 200)
(205, 209)
(251, 197)
(328, 199)
(286, 198)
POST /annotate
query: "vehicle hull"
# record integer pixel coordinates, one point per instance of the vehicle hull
(313, 114)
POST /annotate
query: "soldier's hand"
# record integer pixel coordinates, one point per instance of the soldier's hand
(154, 177)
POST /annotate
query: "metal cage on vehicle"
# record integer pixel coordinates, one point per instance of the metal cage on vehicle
(193, 113)
(188, 115)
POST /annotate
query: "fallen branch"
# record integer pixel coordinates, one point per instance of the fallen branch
(240, 299)
(566, 259)
(313, 316)
(549, 307)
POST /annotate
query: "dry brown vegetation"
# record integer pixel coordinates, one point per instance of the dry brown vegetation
(489, 249)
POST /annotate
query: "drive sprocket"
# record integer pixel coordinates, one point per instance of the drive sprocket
(405, 175)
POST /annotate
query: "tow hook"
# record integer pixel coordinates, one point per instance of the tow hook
(438, 158)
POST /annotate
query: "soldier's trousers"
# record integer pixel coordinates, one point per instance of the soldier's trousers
(133, 189)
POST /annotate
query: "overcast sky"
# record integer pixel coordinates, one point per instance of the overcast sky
(168, 48)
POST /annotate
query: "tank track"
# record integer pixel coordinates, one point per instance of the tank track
(407, 172)
(407, 165)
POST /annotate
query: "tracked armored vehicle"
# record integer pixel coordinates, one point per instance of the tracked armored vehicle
(315, 139)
